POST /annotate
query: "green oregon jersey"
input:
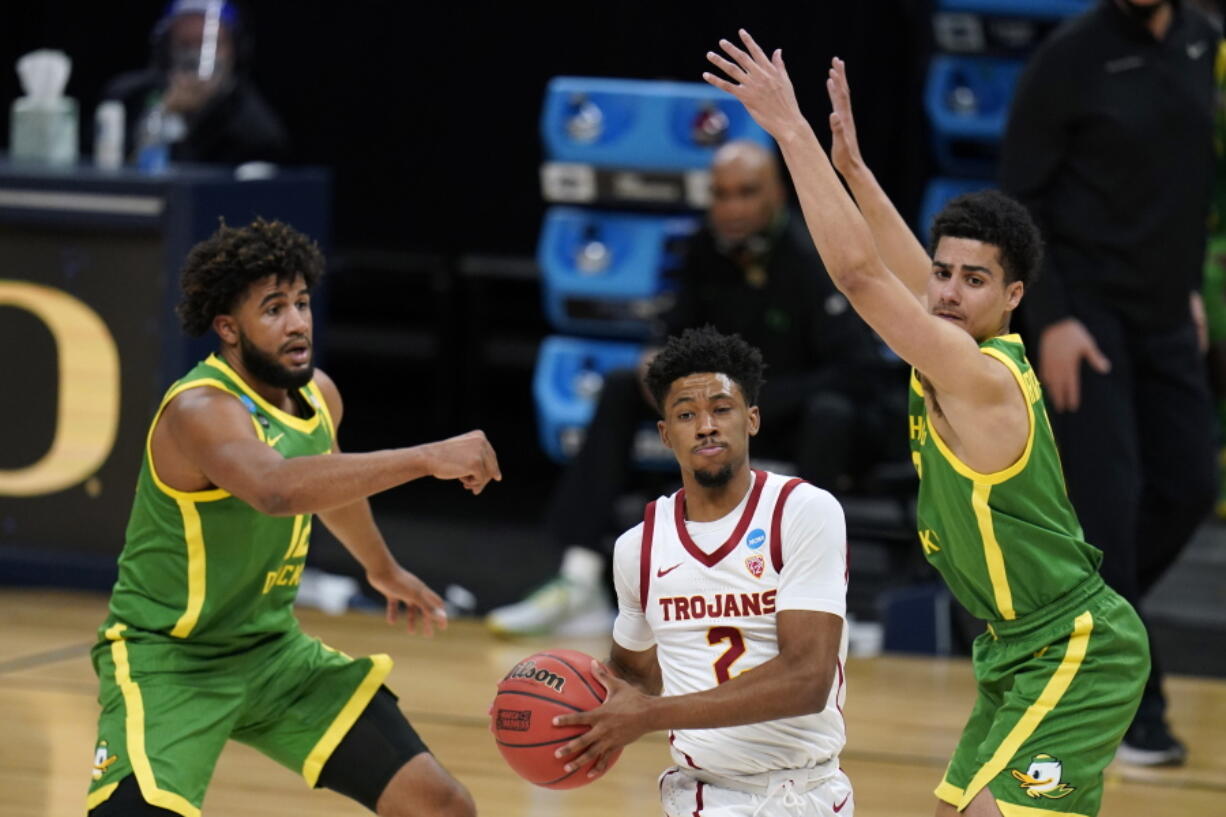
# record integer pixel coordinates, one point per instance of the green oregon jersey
(1006, 543)
(205, 565)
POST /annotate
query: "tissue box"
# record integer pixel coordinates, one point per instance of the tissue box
(44, 131)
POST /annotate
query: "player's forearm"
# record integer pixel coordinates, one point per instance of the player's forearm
(354, 526)
(323, 482)
(776, 689)
(898, 247)
(839, 231)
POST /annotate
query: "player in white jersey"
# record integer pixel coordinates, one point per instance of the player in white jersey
(731, 596)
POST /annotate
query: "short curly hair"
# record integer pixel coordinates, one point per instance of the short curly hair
(219, 269)
(705, 350)
(993, 218)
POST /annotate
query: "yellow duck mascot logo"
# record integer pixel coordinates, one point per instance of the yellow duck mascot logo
(1042, 779)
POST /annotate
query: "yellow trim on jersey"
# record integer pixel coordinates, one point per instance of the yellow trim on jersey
(916, 386)
(1016, 468)
(1055, 688)
(343, 722)
(193, 535)
(134, 720)
(1011, 810)
(209, 495)
(294, 422)
(948, 792)
(992, 554)
(99, 796)
(314, 389)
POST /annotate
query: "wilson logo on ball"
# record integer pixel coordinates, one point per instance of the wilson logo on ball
(528, 671)
(514, 720)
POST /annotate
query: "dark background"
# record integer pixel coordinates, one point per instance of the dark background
(427, 116)
(428, 111)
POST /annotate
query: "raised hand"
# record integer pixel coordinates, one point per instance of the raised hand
(761, 83)
(845, 147)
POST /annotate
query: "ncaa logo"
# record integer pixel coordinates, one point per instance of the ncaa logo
(755, 539)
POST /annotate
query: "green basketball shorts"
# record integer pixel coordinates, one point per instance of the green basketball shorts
(169, 706)
(1057, 690)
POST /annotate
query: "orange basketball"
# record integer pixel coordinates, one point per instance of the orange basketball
(533, 693)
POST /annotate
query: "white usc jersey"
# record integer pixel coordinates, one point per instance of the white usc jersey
(706, 594)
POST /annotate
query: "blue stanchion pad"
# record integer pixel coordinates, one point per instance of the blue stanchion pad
(967, 101)
(566, 384)
(644, 124)
(606, 273)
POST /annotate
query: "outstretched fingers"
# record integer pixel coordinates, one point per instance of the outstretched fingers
(755, 50)
(730, 68)
(720, 82)
(738, 56)
(841, 96)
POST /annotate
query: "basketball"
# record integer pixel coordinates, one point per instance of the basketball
(530, 696)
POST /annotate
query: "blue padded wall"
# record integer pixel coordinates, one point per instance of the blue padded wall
(644, 124)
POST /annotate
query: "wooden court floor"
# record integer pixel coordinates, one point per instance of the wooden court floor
(903, 716)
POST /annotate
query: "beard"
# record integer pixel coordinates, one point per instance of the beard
(716, 479)
(265, 368)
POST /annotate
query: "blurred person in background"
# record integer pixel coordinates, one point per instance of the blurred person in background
(196, 97)
(1214, 291)
(1110, 146)
(750, 270)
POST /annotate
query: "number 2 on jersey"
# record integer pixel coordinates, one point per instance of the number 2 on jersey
(736, 648)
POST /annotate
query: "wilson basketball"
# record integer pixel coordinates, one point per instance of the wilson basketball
(530, 696)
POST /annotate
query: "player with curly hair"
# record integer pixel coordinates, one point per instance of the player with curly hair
(201, 644)
(731, 598)
(1064, 659)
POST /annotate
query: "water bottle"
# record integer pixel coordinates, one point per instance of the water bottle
(153, 153)
(108, 135)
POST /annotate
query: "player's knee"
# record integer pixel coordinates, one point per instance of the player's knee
(945, 810)
(459, 803)
(446, 799)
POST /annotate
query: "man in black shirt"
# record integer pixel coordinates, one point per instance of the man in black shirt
(1110, 145)
(752, 270)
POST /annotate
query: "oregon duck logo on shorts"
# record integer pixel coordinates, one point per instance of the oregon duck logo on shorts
(1042, 779)
(103, 760)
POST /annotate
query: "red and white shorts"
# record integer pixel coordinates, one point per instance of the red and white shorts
(789, 793)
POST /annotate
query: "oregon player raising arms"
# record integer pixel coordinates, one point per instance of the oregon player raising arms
(1061, 667)
(201, 644)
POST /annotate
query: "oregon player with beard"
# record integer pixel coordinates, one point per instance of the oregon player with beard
(201, 644)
